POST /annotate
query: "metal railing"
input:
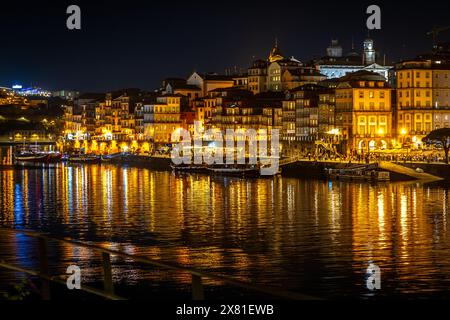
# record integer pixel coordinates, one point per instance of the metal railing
(197, 276)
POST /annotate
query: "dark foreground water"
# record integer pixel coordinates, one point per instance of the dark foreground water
(314, 237)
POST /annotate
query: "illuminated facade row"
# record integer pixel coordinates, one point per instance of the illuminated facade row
(359, 112)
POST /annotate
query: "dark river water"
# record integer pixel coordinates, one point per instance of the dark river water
(310, 236)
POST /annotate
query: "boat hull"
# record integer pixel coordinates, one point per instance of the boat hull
(235, 172)
(84, 159)
(188, 168)
(32, 158)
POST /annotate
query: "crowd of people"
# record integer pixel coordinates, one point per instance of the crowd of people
(426, 157)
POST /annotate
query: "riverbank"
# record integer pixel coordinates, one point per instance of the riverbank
(299, 169)
(316, 169)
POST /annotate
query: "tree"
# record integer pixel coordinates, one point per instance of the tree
(442, 137)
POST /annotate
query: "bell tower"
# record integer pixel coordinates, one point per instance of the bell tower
(275, 53)
(369, 52)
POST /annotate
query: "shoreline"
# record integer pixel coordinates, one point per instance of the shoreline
(302, 168)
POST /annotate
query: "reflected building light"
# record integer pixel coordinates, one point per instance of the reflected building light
(381, 213)
(18, 204)
(404, 215)
(125, 189)
(444, 208)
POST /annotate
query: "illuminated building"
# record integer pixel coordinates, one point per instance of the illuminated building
(241, 81)
(276, 70)
(293, 78)
(31, 91)
(203, 108)
(257, 76)
(240, 109)
(180, 86)
(275, 53)
(210, 81)
(364, 111)
(8, 96)
(139, 121)
(187, 119)
(162, 117)
(423, 98)
(84, 113)
(303, 107)
(327, 105)
(278, 74)
(336, 65)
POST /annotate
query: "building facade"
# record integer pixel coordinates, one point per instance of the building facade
(335, 64)
(161, 118)
(364, 113)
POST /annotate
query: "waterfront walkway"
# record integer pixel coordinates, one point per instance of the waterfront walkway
(396, 168)
(422, 176)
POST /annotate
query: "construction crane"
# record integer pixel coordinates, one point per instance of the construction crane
(434, 33)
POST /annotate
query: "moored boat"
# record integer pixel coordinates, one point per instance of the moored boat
(113, 156)
(189, 168)
(359, 174)
(236, 170)
(35, 155)
(31, 157)
(84, 158)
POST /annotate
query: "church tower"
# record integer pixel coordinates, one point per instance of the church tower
(275, 53)
(369, 52)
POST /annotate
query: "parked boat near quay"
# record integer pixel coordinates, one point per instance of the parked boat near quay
(359, 173)
(36, 156)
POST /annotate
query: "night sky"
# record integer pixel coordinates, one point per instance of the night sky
(137, 44)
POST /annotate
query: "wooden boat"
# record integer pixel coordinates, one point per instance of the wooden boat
(31, 157)
(358, 174)
(29, 154)
(188, 168)
(84, 158)
(111, 157)
(235, 170)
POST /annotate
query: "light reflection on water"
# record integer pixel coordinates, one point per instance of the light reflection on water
(316, 237)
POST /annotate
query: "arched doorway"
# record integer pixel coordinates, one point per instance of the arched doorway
(361, 145)
(372, 145)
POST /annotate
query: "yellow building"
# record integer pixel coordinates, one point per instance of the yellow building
(210, 81)
(423, 100)
(191, 92)
(203, 109)
(364, 112)
(161, 118)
